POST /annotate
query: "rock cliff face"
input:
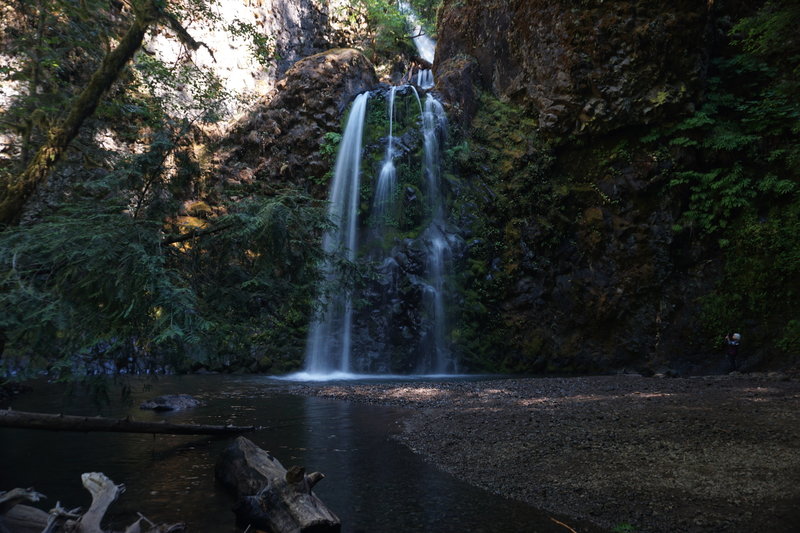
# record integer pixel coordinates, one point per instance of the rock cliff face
(279, 140)
(576, 263)
(587, 66)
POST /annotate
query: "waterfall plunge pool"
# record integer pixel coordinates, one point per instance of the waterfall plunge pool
(373, 483)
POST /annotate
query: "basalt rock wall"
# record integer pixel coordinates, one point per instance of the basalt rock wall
(576, 260)
(577, 66)
(279, 140)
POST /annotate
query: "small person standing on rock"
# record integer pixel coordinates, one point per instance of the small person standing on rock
(732, 341)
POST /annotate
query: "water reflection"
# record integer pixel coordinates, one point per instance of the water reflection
(372, 482)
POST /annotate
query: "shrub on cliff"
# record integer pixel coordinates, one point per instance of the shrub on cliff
(741, 179)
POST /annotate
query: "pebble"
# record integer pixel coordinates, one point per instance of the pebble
(610, 449)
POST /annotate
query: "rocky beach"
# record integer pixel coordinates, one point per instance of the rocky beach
(655, 455)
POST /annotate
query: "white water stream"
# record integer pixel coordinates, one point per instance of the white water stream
(330, 347)
(388, 177)
(425, 45)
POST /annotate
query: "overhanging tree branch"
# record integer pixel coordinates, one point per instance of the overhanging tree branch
(195, 233)
(13, 195)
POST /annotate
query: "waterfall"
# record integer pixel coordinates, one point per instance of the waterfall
(434, 126)
(401, 322)
(329, 344)
(387, 178)
(426, 47)
(425, 79)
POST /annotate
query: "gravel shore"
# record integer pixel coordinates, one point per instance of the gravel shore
(707, 454)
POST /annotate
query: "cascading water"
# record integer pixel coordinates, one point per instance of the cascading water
(387, 178)
(434, 126)
(426, 47)
(425, 79)
(400, 323)
(329, 345)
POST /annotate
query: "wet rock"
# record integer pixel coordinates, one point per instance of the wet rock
(171, 402)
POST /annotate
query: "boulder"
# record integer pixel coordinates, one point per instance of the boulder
(171, 402)
(279, 140)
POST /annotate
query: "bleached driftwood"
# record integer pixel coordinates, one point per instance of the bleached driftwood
(270, 498)
(15, 496)
(104, 492)
(24, 519)
(18, 518)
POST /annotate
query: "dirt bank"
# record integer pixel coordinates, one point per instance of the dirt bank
(665, 455)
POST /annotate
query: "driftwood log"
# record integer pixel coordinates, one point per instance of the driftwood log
(18, 518)
(51, 422)
(270, 498)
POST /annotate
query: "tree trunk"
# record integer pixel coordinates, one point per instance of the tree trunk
(270, 497)
(51, 422)
(15, 194)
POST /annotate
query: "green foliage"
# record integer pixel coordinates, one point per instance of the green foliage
(759, 282)
(427, 11)
(114, 270)
(770, 35)
(330, 145)
(737, 159)
(623, 528)
(328, 150)
(386, 26)
(56, 45)
(262, 46)
(179, 88)
(745, 132)
(84, 276)
(257, 280)
(99, 281)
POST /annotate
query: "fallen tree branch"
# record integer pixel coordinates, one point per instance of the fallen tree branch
(562, 524)
(58, 422)
(26, 519)
(271, 498)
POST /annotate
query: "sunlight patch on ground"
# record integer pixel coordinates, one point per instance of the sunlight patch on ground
(591, 398)
(416, 393)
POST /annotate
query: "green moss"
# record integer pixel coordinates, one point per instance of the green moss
(507, 162)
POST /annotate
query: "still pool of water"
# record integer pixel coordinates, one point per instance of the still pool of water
(373, 483)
